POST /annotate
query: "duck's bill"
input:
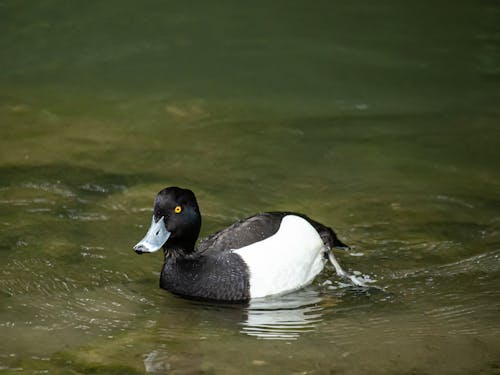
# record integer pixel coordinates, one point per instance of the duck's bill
(155, 238)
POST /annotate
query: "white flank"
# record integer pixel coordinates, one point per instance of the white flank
(286, 261)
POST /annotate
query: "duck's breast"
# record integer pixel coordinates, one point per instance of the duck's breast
(285, 261)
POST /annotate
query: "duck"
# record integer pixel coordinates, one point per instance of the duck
(268, 254)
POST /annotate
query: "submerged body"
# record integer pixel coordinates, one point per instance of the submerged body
(266, 254)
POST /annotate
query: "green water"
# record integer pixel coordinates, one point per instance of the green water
(380, 120)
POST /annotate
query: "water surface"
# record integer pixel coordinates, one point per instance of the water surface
(380, 120)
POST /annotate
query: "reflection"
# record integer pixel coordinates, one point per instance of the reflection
(156, 362)
(285, 317)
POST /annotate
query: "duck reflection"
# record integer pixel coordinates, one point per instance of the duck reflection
(189, 329)
(285, 317)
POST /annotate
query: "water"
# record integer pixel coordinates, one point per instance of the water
(380, 120)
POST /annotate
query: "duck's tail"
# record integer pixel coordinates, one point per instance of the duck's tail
(328, 236)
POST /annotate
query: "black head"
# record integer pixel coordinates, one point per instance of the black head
(181, 216)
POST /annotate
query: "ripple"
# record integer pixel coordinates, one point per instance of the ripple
(92, 252)
(75, 214)
(454, 200)
(104, 189)
(488, 262)
(56, 188)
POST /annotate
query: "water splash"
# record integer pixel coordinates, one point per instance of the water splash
(355, 280)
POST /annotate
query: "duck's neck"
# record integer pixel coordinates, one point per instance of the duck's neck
(179, 249)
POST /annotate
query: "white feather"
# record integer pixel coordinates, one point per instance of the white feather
(286, 261)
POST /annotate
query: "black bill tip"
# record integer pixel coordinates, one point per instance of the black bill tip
(140, 249)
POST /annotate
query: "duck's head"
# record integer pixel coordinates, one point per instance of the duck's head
(175, 225)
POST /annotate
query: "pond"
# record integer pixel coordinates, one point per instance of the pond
(379, 120)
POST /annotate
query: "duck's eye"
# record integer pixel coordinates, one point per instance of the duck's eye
(177, 209)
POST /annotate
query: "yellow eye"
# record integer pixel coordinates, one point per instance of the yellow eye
(177, 209)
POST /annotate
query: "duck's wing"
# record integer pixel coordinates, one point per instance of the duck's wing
(242, 233)
(257, 228)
